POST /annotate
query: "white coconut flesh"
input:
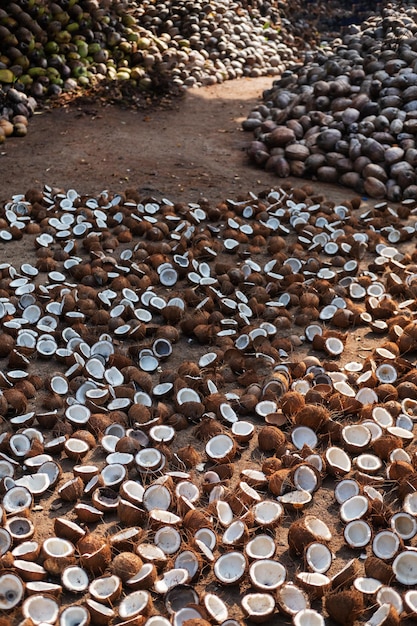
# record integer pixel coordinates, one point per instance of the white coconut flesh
(410, 503)
(217, 493)
(234, 533)
(171, 578)
(402, 433)
(354, 508)
(207, 536)
(405, 567)
(162, 433)
(346, 489)
(228, 413)
(267, 574)
(37, 483)
(30, 570)
(257, 605)
(20, 528)
(188, 489)
(230, 567)
(17, 499)
(304, 436)
(296, 499)
(157, 620)
(148, 458)
(76, 615)
(186, 394)
(318, 557)
(385, 544)
(58, 547)
(410, 601)
(224, 512)
(313, 580)
(165, 518)
(292, 599)
(388, 595)
(185, 614)
(219, 447)
(75, 578)
(187, 560)
(338, 460)
(357, 534)
(243, 429)
(151, 553)
(40, 609)
(104, 587)
(134, 604)
(25, 550)
(5, 541)
(267, 512)
(12, 591)
(249, 494)
(156, 497)
(368, 463)
(215, 607)
(19, 445)
(260, 547)
(133, 491)
(308, 617)
(366, 396)
(114, 473)
(168, 539)
(367, 585)
(305, 479)
(404, 524)
(40, 586)
(318, 528)
(379, 618)
(266, 407)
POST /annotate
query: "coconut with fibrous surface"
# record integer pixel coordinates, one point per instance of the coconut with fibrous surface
(344, 606)
(306, 530)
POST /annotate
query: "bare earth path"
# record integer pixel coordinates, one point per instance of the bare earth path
(194, 149)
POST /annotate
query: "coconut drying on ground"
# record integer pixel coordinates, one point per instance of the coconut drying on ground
(207, 407)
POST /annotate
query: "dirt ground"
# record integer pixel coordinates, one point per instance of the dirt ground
(191, 149)
(186, 150)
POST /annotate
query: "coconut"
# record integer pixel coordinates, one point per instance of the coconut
(267, 575)
(306, 530)
(271, 439)
(75, 579)
(405, 567)
(385, 615)
(125, 565)
(377, 568)
(40, 609)
(291, 599)
(12, 591)
(258, 607)
(106, 589)
(260, 547)
(76, 614)
(344, 606)
(230, 568)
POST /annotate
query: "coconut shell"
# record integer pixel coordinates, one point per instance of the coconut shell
(291, 402)
(346, 576)
(271, 439)
(379, 569)
(312, 415)
(126, 565)
(195, 519)
(278, 482)
(344, 606)
(299, 537)
(384, 445)
(189, 456)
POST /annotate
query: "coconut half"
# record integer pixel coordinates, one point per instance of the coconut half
(405, 567)
(258, 607)
(12, 591)
(230, 568)
(267, 574)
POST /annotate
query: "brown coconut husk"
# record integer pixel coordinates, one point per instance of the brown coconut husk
(125, 565)
(344, 606)
(312, 415)
(271, 439)
(379, 569)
